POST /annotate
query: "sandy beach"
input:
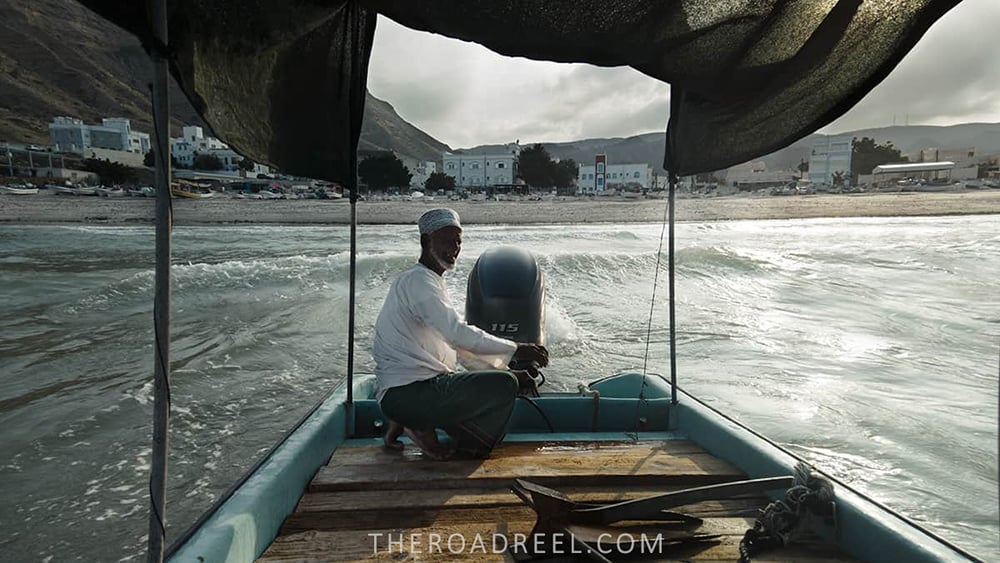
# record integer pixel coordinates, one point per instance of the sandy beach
(47, 208)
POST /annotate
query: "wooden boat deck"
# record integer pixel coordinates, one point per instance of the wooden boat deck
(366, 496)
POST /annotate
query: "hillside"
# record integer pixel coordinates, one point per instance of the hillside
(649, 147)
(59, 58)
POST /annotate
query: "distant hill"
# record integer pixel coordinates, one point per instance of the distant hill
(649, 147)
(59, 58)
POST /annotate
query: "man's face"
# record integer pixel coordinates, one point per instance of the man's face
(446, 244)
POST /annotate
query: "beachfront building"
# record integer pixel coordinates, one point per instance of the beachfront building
(605, 178)
(193, 141)
(420, 170)
(754, 175)
(830, 155)
(481, 171)
(903, 175)
(69, 134)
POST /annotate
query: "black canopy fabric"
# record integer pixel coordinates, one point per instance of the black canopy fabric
(283, 82)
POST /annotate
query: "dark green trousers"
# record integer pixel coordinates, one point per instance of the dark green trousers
(473, 407)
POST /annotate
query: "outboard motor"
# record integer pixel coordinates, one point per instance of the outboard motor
(506, 295)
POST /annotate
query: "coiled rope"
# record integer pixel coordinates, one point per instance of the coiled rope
(783, 521)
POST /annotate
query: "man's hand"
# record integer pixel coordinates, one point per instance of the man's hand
(527, 353)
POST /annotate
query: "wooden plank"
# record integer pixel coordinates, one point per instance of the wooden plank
(370, 455)
(419, 544)
(423, 516)
(564, 469)
(346, 501)
(402, 518)
(372, 545)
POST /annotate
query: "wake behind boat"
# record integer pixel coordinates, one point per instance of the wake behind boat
(626, 466)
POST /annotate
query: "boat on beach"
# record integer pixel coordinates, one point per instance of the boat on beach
(18, 190)
(629, 465)
(105, 191)
(190, 194)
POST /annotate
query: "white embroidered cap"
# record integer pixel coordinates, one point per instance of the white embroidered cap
(438, 219)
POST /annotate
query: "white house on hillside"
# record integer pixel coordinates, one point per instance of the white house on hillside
(114, 133)
(194, 142)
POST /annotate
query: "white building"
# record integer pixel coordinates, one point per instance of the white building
(473, 171)
(194, 142)
(114, 133)
(602, 177)
(755, 175)
(830, 155)
(420, 170)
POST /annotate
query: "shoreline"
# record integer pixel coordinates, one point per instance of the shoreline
(49, 209)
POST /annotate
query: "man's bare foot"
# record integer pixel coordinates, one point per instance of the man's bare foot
(428, 443)
(392, 434)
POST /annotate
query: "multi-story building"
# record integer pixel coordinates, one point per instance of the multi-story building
(194, 142)
(478, 171)
(114, 133)
(602, 177)
(829, 156)
(420, 170)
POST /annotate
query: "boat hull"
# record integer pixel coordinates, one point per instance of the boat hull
(244, 525)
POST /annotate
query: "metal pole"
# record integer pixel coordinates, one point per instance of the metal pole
(351, 299)
(161, 299)
(350, 312)
(10, 163)
(670, 270)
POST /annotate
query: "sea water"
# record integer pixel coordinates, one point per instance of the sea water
(868, 346)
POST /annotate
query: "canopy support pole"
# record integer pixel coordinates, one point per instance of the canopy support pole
(161, 299)
(670, 163)
(670, 283)
(350, 311)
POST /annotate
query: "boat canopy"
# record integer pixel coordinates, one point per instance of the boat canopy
(915, 167)
(283, 81)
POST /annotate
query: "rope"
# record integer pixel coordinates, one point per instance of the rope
(540, 411)
(782, 521)
(649, 322)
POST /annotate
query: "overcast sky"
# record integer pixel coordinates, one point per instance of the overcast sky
(465, 95)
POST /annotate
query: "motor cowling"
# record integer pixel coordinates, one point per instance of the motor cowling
(506, 295)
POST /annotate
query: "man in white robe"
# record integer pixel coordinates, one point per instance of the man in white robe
(419, 338)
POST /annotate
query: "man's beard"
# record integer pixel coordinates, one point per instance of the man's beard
(442, 260)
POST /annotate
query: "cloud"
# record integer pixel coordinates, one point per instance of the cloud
(951, 76)
(465, 95)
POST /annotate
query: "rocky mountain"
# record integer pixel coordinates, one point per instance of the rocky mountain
(59, 58)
